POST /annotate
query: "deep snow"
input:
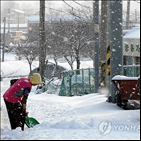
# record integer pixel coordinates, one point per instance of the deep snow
(87, 117)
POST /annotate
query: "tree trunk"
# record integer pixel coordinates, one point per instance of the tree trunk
(77, 59)
(69, 62)
(78, 63)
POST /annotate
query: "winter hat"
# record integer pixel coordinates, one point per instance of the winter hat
(36, 79)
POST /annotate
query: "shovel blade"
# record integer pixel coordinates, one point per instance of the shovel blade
(31, 122)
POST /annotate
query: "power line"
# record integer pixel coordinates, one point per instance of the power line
(86, 6)
(82, 5)
(74, 14)
(54, 9)
(72, 10)
(57, 10)
(70, 6)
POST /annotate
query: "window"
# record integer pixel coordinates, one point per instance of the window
(137, 59)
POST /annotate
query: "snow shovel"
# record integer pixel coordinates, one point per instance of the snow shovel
(31, 122)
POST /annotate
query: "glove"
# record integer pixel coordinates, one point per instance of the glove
(24, 106)
(26, 92)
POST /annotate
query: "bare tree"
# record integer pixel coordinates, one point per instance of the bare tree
(28, 51)
(78, 34)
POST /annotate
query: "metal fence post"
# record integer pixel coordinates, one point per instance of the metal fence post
(70, 85)
(83, 80)
(89, 80)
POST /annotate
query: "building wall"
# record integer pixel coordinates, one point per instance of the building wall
(15, 37)
(131, 51)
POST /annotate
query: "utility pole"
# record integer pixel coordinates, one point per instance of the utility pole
(103, 34)
(116, 43)
(96, 39)
(136, 19)
(108, 44)
(3, 51)
(8, 26)
(103, 30)
(18, 22)
(42, 49)
(128, 14)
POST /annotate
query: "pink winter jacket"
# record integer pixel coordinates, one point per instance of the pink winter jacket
(15, 93)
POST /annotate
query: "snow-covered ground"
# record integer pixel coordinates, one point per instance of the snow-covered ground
(87, 117)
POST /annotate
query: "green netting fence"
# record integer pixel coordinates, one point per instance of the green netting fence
(81, 82)
(77, 82)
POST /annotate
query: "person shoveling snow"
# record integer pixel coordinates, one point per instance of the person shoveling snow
(15, 100)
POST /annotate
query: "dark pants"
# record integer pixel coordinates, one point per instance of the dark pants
(16, 114)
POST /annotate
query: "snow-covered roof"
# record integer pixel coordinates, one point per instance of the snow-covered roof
(16, 31)
(125, 31)
(36, 18)
(18, 11)
(15, 25)
(133, 34)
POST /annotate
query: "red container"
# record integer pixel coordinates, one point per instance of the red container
(127, 89)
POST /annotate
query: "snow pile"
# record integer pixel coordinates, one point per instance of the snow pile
(12, 67)
(87, 117)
